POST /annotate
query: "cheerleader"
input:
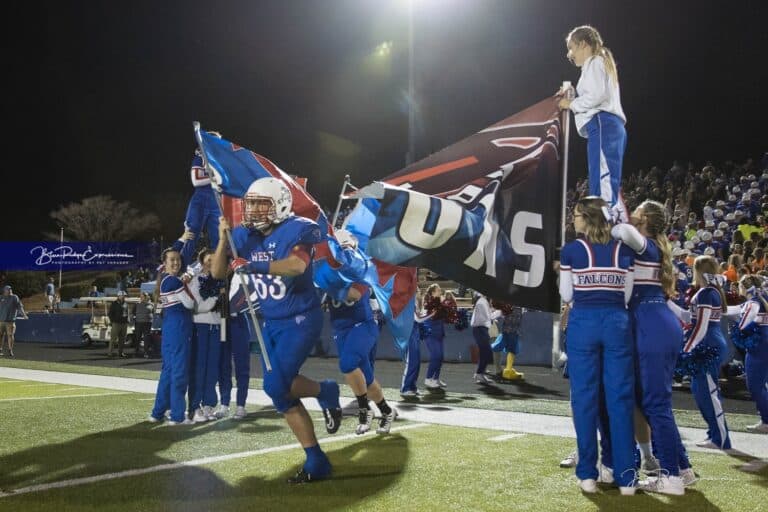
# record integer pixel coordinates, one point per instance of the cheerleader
(705, 349)
(657, 335)
(178, 304)
(596, 277)
(439, 311)
(751, 334)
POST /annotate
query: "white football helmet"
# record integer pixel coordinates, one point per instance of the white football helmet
(267, 201)
(345, 238)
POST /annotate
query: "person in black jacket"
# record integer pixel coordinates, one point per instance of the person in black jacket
(118, 317)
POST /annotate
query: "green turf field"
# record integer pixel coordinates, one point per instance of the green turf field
(68, 447)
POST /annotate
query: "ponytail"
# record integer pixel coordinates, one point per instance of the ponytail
(592, 38)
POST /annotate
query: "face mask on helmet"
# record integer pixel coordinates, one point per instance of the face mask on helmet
(266, 202)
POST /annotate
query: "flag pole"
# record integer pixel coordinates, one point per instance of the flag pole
(243, 284)
(565, 125)
(341, 198)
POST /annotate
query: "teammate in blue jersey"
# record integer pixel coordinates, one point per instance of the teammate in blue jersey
(355, 332)
(203, 210)
(276, 253)
(707, 306)
(596, 277)
(177, 302)
(657, 334)
(753, 314)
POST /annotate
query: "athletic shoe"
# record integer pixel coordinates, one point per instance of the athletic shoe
(650, 465)
(186, 421)
(707, 443)
(222, 412)
(385, 423)
(663, 484)
(688, 477)
(589, 485)
(759, 428)
(302, 477)
(152, 419)
(200, 416)
(571, 460)
(605, 474)
(410, 393)
(332, 419)
(365, 418)
(208, 411)
(441, 383)
(431, 383)
(123, 355)
(240, 413)
(627, 491)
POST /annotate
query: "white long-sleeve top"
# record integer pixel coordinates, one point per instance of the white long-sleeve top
(482, 316)
(202, 311)
(596, 92)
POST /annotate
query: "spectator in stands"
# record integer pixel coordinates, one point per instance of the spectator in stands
(10, 309)
(94, 291)
(118, 317)
(50, 295)
(142, 323)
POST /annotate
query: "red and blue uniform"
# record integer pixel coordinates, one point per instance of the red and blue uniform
(596, 278)
(203, 211)
(177, 302)
(756, 360)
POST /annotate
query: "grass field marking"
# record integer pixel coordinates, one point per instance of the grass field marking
(505, 437)
(61, 396)
(177, 465)
(39, 385)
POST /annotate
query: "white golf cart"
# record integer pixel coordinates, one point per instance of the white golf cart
(99, 328)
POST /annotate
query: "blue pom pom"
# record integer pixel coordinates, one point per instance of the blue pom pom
(699, 361)
(210, 286)
(462, 321)
(747, 338)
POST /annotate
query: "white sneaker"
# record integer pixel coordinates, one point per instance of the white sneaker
(707, 443)
(240, 413)
(688, 477)
(222, 412)
(627, 491)
(664, 485)
(385, 423)
(650, 465)
(589, 485)
(481, 378)
(441, 383)
(200, 416)
(431, 384)
(186, 421)
(410, 393)
(605, 474)
(365, 419)
(208, 411)
(152, 419)
(759, 428)
(571, 460)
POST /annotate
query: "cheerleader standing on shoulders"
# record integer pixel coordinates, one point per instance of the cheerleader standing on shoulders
(705, 349)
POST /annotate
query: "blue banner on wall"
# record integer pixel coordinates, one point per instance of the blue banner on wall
(51, 256)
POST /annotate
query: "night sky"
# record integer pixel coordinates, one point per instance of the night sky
(106, 103)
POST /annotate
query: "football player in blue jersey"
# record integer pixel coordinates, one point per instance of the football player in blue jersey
(356, 332)
(276, 249)
(596, 278)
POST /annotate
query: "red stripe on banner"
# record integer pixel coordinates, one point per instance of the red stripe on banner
(434, 171)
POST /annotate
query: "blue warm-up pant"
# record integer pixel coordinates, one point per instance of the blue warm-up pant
(356, 348)
(606, 142)
(657, 334)
(435, 347)
(412, 359)
(756, 366)
(204, 363)
(202, 215)
(706, 391)
(600, 348)
(237, 348)
(174, 375)
(289, 342)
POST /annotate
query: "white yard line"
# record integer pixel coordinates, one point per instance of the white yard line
(505, 437)
(177, 465)
(37, 385)
(59, 396)
(505, 421)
